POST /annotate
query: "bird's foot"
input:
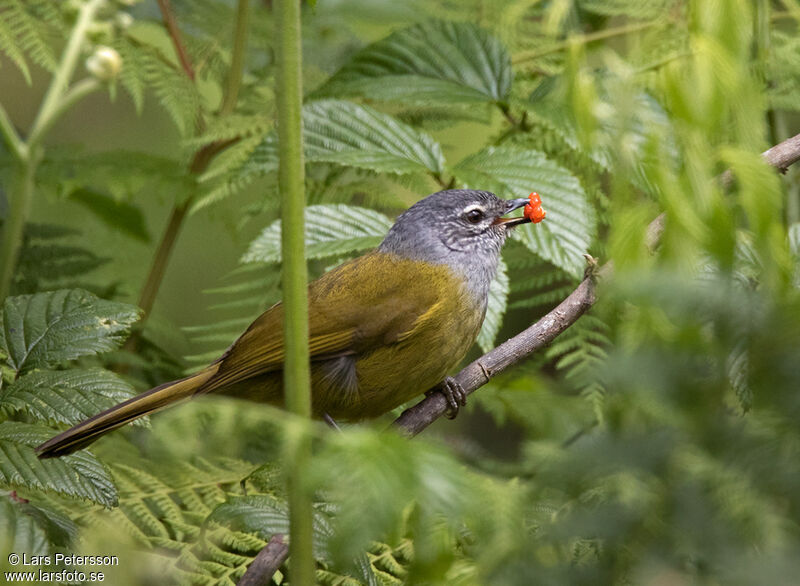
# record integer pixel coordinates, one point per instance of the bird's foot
(454, 393)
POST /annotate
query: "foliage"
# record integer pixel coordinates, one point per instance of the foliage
(655, 441)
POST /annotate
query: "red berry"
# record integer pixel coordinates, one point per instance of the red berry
(537, 215)
(533, 211)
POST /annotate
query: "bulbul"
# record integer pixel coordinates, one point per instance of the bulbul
(383, 327)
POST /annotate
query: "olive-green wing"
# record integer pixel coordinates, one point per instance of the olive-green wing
(362, 304)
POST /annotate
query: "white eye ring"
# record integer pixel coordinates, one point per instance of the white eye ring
(474, 214)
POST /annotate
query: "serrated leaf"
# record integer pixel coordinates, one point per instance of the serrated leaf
(498, 298)
(567, 232)
(331, 230)
(78, 475)
(357, 136)
(118, 215)
(44, 329)
(65, 396)
(438, 61)
(344, 134)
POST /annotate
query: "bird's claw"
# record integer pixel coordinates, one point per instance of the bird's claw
(453, 393)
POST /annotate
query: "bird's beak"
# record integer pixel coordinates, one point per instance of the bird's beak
(511, 205)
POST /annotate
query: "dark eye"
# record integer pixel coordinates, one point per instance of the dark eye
(474, 216)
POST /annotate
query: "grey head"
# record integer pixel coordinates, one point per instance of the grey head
(461, 228)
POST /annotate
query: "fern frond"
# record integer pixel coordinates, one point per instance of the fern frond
(579, 353)
(47, 262)
(28, 30)
(254, 288)
(146, 68)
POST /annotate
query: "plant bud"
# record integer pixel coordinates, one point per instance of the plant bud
(105, 63)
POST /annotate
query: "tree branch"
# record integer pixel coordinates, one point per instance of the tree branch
(414, 419)
(266, 563)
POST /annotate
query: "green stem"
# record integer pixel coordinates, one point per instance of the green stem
(234, 80)
(14, 142)
(21, 196)
(199, 164)
(28, 153)
(294, 278)
(69, 59)
(585, 39)
(159, 266)
(761, 37)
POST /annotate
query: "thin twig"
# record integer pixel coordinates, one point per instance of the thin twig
(414, 419)
(266, 563)
(175, 35)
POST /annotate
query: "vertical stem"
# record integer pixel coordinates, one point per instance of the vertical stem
(200, 162)
(761, 36)
(297, 384)
(234, 80)
(66, 67)
(29, 154)
(161, 259)
(21, 196)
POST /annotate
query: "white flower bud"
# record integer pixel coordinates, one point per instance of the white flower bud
(105, 63)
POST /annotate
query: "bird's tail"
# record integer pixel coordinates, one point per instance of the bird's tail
(150, 401)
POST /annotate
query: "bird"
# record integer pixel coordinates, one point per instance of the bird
(383, 327)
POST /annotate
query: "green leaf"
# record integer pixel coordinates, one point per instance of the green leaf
(61, 531)
(65, 396)
(44, 329)
(20, 532)
(357, 136)
(27, 30)
(344, 134)
(331, 230)
(78, 475)
(498, 297)
(438, 61)
(118, 215)
(567, 232)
